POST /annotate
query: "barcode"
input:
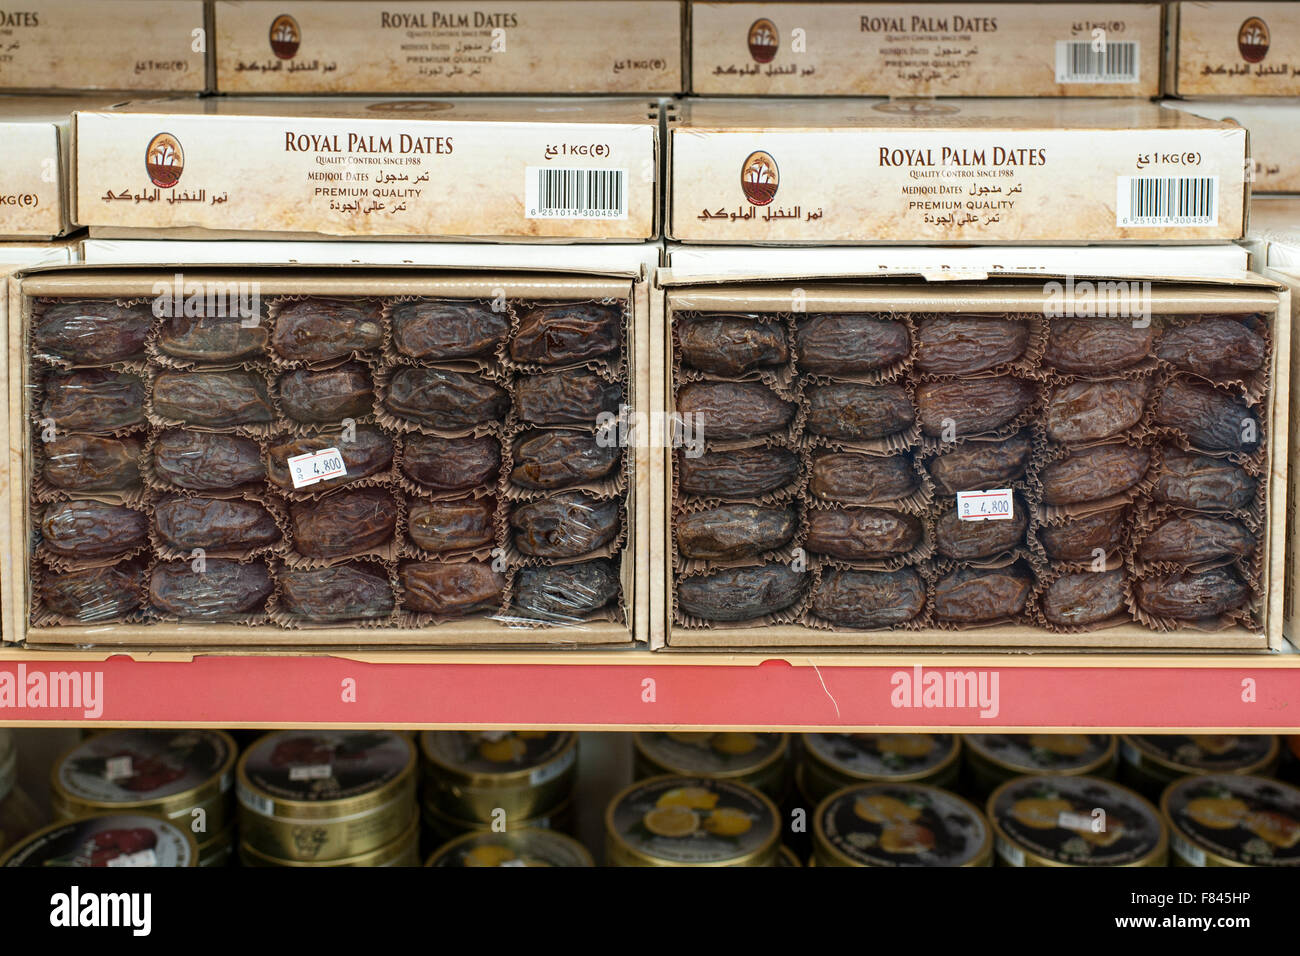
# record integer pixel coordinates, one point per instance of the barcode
(1167, 201)
(575, 193)
(1081, 62)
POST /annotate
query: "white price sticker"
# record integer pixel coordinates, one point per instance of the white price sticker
(316, 466)
(319, 771)
(1075, 821)
(992, 505)
(143, 858)
(118, 768)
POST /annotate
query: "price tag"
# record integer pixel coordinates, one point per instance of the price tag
(143, 858)
(118, 768)
(993, 505)
(316, 466)
(1075, 821)
(319, 771)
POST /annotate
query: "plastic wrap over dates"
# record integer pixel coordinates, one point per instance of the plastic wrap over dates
(1089, 411)
(211, 339)
(568, 592)
(1091, 474)
(731, 532)
(1079, 538)
(846, 343)
(93, 400)
(565, 398)
(720, 411)
(553, 459)
(204, 461)
(366, 451)
(863, 478)
(1193, 539)
(451, 464)
(441, 398)
(224, 588)
(968, 540)
(1188, 480)
(343, 593)
(563, 334)
(94, 595)
(1210, 418)
(958, 409)
(869, 598)
(564, 525)
(212, 399)
(966, 344)
(328, 395)
(741, 473)
(452, 525)
(348, 522)
(1217, 348)
(974, 595)
(1093, 346)
(1077, 600)
(861, 534)
(89, 463)
(851, 412)
(451, 589)
(732, 344)
(91, 332)
(215, 524)
(741, 594)
(978, 465)
(318, 330)
(1191, 595)
(90, 530)
(438, 329)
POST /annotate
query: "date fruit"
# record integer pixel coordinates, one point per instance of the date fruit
(214, 524)
(869, 598)
(731, 344)
(451, 464)
(978, 465)
(1215, 347)
(329, 395)
(978, 595)
(564, 525)
(1090, 474)
(1090, 411)
(211, 338)
(452, 525)
(741, 594)
(847, 411)
(1077, 600)
(1192, 595)
(343, 593)
(94, 595)
(349, 522)
(959, 409)
(724, 410)
(89, 530)
(212, 399)
(439, 329)
(224, 588)
(88, 463)
(966, 344)
(847, 343)
(553, 459)
(566, 593)
(1079, 538)
(1211, 419)
(862, 479)
(93, 400)
(565, 398)
(1193, 539)
(445, 399)
(203, 461)
(1188, 480)
(451, 589)
(91, 331)
(861, 534)
(968, 540)
(561, 334)
(732, 532)
(742, 473)
(369, 452)
(318, 330)
(1094, 346)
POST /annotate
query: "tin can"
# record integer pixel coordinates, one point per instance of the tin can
(404, 851)
(787, 857)
(1232, 820)
(512, 848)
(691, 821)
(1075, 821)
(993, 759)
(900, 824)
(1150, 762)
(220, 850)
(107, 839)
(471, 775)
(440, 827)
(832, 762)
(760, 761)
(316, 796)
(1289, 765)
(19, 815)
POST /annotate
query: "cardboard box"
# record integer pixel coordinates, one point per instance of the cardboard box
(1232, 49)
(1063, 171)
(148, 46)
(1274, 236)
(1274, 127)
(903, 282)
(532, 274)
(925, 49)
(501, 169)
(526, 46)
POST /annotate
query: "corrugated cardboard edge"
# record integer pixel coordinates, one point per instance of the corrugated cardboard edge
(1279, 477)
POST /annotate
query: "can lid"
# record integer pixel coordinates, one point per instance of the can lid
(322, 766)
(1044, 753)
(499, 758)
(512, 848)
(722, 755)
(1235, 820)
(107, 839)
(1077, 821)
(881, 757)
(1205, 753)
(901, 824)
(122, 769)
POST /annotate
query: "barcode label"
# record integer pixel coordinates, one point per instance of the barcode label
(253, 801)
(1009, 852)
(1194, 856)
(1079, 62)
(1167, 201)
(575, 193)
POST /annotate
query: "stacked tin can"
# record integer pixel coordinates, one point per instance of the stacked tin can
(19, 815)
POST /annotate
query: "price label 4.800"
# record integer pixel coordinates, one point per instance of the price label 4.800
(993, 505)
(316, 466)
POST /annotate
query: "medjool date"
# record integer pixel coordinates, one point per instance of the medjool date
(858, 534)
(851, 412)
(441, 398)
(317, 330)
(215, 524)
(742, 473)
(224, 588)
(731, 344)
(88, 530)
(972, 406)
(1211, 419)
(203, 461)
(93, 400)
(451, 589)
(722, 410)
(211, 338)
(88, 463)
(1091, 474)
(91, 331)
(1093, 346)
(1076, 600)
(452, 525)
(94, 595)
(1195, 481)
(862, 479)
(846, 343)
(564, 525)
(212, 399)
(978, 465)
(1088, 411)
(440, 329)
(1191, 595)
(740, 594)
(966, 344)
(565, 398)
(566, 593)
(975, 595)
(369, 452)
(967, 540)
(553, 459)
(342, 593)
(1191, 539)
(1080, 537)
(560, 334)
(1214, 347)
(349, 522)
(731, 532)
(451, 464)
(328, 395)
(869, 598)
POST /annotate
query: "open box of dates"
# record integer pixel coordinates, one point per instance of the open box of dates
(321, 457)
(1008, 463)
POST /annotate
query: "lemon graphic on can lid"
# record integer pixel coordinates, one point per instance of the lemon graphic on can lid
(691, 798)
(734, 744)
(505, 750)
(671, 821)
(882, 808)
(728, 822)
(1041, 813)
(1219, 813)
(489, 856)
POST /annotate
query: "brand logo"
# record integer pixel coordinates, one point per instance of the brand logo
(76, 909)
(53, 690)
(164, 160)
(285, 36)
(763, 40)
(759, 178)
(916, 107)
(955, 690)
(1252, 40)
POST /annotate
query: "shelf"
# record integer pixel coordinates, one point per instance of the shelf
(631, 689)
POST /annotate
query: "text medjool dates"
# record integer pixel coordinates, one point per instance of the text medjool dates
(862, 478)
(1211, 419)
(564, 525)
(1091, 474)
(742, 473)
(732, 344)
(452, 525)
(851, 412)
(972, 406)
(441, 398)
(974, 595)
(329, 395)
(451, 464)
(724, 410)
(93, 595)
(343, 593)
(224, 588)
(1195, 481)
(1079, 537)
(91, 331)
(451, 589)
(1191, 539)
(980, 464)
(212, 399)
(731, 532)
(553, 459)
(560, 334)
(203, 461)
(349, 522)
(88, 530)
(869, 598)
(215, 524)
(858, 534)
(1076, 600)
(740, 594)
(88, 463)
(1217, 348)
(1089, 411)
(1190, 595)
(211, 338)
(317, 330)
(845, 343)
(369, 452)
(93, 400)
(566, 593)
(440, 329)
(967, 540)
(1093, 346)
(565, 398)
(966, 344)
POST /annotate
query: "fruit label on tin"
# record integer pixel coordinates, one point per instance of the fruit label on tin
(315, 466)
(712, 754)
(693, 820)
(1204, 753)
(1253, 821)
(498, 752)
(326, 765)
(131, 766)
(992, 505)
(889, 824)
(518, 848)
(143, 858)
(1042, 753)
(118, 839)
(1031, 811)
(882, 755)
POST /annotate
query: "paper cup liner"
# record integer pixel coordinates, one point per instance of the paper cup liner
(1055, 572)
(920, 621)
(281, 615)
(63, 364)
(386, 551)
(40, 615)
(1023, 616)
(38, 392)
(273, 506)
(1026, 364)
(613, 365)
(615, 482)
(884, 375)
(1254, 460)
(1031, 413)
(158, 483)
(250, 619)
(895, 443)
(43, 491)
(493, 359)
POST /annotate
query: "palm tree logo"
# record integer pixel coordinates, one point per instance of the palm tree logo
(1253, 39)
(164, 160)
(763, 40)
(285, 36)
(759, 178)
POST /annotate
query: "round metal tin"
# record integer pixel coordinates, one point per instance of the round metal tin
(523, 772)
(993, 759)
(758, 760)
(512, 848)
(1150, 762)
(900, 824)
(403, 851)
(107, 839)
(1232, 820)
(834, 761)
